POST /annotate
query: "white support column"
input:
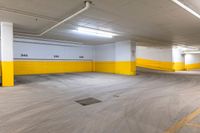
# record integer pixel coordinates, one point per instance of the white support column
(125, 57)
(7, 66)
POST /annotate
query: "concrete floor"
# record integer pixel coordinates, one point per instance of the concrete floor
(147, 103)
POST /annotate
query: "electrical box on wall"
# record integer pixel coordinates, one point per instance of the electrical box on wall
(24, 55)
(81, 57)
(56, 56)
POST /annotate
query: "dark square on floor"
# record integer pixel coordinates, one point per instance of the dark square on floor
(88, 101)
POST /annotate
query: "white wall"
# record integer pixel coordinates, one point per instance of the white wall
(125, 51)
(192, 58)
(178, 55)
(105, 52)
(38, 49)
(119, 51)
(159, 54)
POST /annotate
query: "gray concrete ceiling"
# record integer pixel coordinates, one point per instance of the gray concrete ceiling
(155, 20)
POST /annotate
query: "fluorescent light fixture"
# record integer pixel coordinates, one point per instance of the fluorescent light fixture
(186, 8)
(94, 32)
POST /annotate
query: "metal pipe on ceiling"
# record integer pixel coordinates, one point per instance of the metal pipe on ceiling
(87, 6)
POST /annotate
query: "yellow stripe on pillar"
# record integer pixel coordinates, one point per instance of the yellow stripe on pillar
(154, 64)
(7, 71)
(179, 66)
(125, 67)
(116, 67)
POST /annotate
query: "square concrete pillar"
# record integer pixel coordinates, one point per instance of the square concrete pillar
(7, 65)
(125, 58)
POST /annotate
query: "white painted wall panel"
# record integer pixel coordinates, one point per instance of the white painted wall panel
(119, 51)
(178, 55)
(39, 50)
(158, 54)
(192, 58)
(105, 52)
(125, 51)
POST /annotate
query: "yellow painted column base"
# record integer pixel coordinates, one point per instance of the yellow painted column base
(195, 66)
(125, 68)
(7, 73)
(118, 67)
(179, 66)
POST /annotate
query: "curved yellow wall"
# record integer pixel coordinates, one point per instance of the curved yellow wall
(192, 66)
(160, 65)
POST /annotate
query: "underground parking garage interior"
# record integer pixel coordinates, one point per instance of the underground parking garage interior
(100, 66)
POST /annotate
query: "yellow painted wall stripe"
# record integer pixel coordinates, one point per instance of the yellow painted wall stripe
(7, 73)
(48, 67)
(117, 67)
(160, 65)
(105, 66)
(152, 64)
(192, 66)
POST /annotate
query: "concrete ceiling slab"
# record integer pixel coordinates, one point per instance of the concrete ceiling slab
(160, 20)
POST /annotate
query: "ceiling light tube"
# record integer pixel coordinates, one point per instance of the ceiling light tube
(94, 32)
(186, 8)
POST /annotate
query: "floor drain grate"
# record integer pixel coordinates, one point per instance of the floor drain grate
(88, 101)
